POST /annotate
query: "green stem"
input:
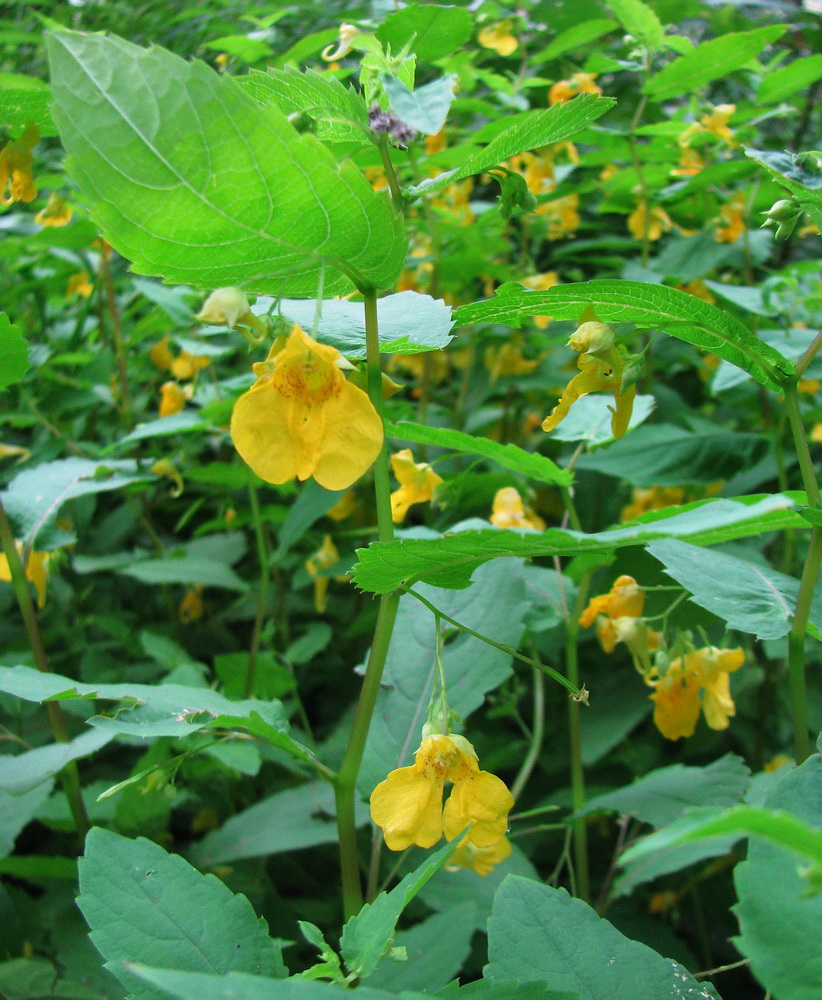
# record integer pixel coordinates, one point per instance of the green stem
(345, 785)
(69, 776)
(388, 166)
(579, 830)
(262, 595)
(537, 733)
(809, 355)
(117, 333)
(554, 674)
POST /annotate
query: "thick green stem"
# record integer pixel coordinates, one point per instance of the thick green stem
(69, 776)
(345, 785)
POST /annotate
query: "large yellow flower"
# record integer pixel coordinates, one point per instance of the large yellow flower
(417, 483)
(302, 418)
(408, 804)
(676, 694)
(16, 161)
(37, 571)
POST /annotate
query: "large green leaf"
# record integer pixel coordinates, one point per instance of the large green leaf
(750, 597)
(574, 37)
(193, 180)
(433, 31)
(25, 99)
(781, 83)
(509, 456)
(531, 130)
(540, 933)
(31, 768)
(14, 353)
(449, 561)
(495, 606)
(711, 60)
(650, 306)
(778, 919)
(639, 20)
(143, 904)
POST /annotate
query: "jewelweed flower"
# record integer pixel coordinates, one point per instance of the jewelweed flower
(562, 215)
(715, 123)
(731, 223)
(408, 804)
(302, 418)
(676, 696)
(161, 355)
(625, 598)
(172, 398)
(597, 374)
(499, 38)
(186, 365)
(580, 83)
(229, 307)
(657, 221)
(506, 360)
(191, 606)
(417, 483)
(344, 507)
(482, 860)
(542, 282)
(56, 213)
(510, 512)
(37, 571)
(16, 162)
(652, 498)
(165, 467)
(325, 557)
(79, 284)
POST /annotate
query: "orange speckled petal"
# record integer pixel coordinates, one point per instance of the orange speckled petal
(408, 807)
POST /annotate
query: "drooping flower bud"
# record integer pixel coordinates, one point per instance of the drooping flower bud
(229, 307)
(592, 338)
(783, 216)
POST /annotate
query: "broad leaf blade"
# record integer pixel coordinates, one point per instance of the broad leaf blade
(193, 180)
(14, 353)
(640, 21)
(652, 306)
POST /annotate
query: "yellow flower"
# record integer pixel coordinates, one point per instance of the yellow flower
(482, 860)
(186, 365)
(499, 38)
(79, 284)
(161, 355)
(191, 606)
(16, 162)
(652, 498)
(597, 373)
(731, 224)
(172, 399)
(699, 290)
(715, 123)
(229, 307)
(562, 215)
(417, 483)
(690, 163)
(541, 283)
(37, 571)
(625, 598)
(302, 418)
(509, 512)
(536, 170)
(56, 213)
(436, 143)
(506, 360)
(165, 467)
(325, 557)
(676, 694)
(344, 507)
(408, 804)
(657, 220)
(580, 83)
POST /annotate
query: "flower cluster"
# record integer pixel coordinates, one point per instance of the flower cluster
(408, 804)
(618, 617)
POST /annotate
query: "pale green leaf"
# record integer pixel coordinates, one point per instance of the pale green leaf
(14, 353)
(710, 61)
(25, 99)
(639, 20)
(449, 561)
(543, 934)
(144, 904)
(782, 82)
(650, 306)
(531, 131)
(191, 179)
(433, 31)
(187, 569)
(18, 810)
(508, 456)
(573, 38)
(31, 768)
(424, 109)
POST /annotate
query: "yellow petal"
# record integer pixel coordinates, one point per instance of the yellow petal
(676, 704)
(408, 807)
(482, 860)
(482, 801)
(717, 703)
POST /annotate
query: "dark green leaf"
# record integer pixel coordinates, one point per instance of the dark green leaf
(639, 20)
(14, 353)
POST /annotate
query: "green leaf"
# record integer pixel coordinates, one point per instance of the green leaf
(778, 919)
(639, 20)
(614, 712)
(436, 949)
(338, 113)
(14, 353)
(484, 989)
(649, 306)
(539, 933)
(782, 82)
(312, 502)
(532, 130)
(449, 561)
(187, 569)
(573, 38)
(34, 497)
(509, 456)
(18, 810)
(433, 31)
(409, 322)
(287, 821)
(192, 180)
(31, 768)
(144, 904)
(667, 455)
(39, 979)
(661, 796)
(368, 935)
(750, 597)
(710, 61)
(800, 173)
(424, 109)
(25, 99)
(494, 606)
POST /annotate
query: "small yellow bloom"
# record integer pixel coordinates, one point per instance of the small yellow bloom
(562, 215)
(302, 418)
(37, 571)
(165, 467)
(816, 433)
(625, 598)
(715, 123)
(808, 385)
(482, 860)
(676, 694)
(780, 760)
(731, 224)
(172, 399)
(191, 606)
(417, 483)
(597, 373)
(499, 38)
(510, 512)
(657, 221)
(408, 804)
(161, 355)
(699, 290)
(344, 507)
(16, 162)
(690, 163)
(229, 307)
(435, 143)
(580, 83)
(541, 283)
(325, 557)
(186, 365)
(507, 360)
(56, 213)
(79, 284)
(652, 498)
(348, 32)
(536, 170)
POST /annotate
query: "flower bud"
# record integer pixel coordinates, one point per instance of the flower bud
(592, 338)
(783, 216)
